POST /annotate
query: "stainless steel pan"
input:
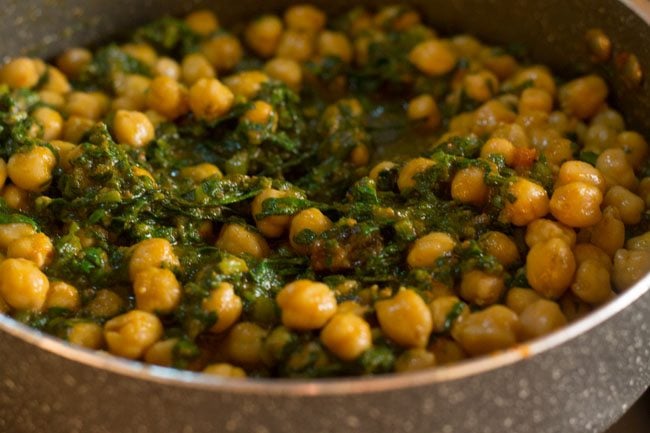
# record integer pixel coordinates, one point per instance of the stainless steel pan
(580, 379)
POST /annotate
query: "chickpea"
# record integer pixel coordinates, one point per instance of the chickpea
(238, 240)
(51, 122)
(133, 88)
(426, 250)
(644, 190)
(297, 46)
(226, 304)
(106, 303)
(91, 105)
(630, 206)
(550, 266)
(347, 336)
(225, 370)
(641, 242)
(286, 70)
(246, 84)
(381, 167)
(540, 76)
(3, 172)
(468, 186)
(22, 285)
(52, 99)
(405, 319)
(583, 97)
(200, 172)
(56, 82)
(542, 230)
(531, 202)
(37, 248)
(305, 18)
(210, 99)
(535, 99)
(244, 344)
(360, 155)
(306, 304)
(155, 252)
(495, 328)
(66, 151)
(481, 288)
(586, 251)
(9, 233)
(32, 170)
(270, 226)
(629, 268)
(167, 97)
(441, 308)
(168, 67)
(446, 351)
(203, 22)
(75, 128)
(20, 73)
(579, 171)
(540, 318)
(194, 67)
(62, 295)
(86, 334)
(16, 198)
(610, 118)
(592, 282)
(499, 245)
(481, 86)
(410, 170)
(156, 290)
(133, 128)
(309, 219)
(161, 352)
(518, 298)
(433, 57)
(599, 137)
(261, 113)
(609, 233)
(424, 107)
(577, 204)
(334, 44)
(515, 134)
(414, 360)
(500, 147)
(132, 334)
(491, 116)
(635, 147)
(73, 61)
(263, 35)
(467, 45)
(223, 51)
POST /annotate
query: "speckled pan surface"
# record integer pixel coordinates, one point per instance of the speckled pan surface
(578, 380)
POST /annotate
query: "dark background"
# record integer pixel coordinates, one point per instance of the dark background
(637, 419)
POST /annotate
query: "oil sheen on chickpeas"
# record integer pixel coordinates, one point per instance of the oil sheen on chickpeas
(311, 195)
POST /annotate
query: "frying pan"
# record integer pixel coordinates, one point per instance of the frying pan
(580, 379)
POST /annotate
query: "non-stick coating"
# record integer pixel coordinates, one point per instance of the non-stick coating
(582, 385)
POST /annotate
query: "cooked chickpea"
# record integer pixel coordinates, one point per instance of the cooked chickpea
(424, 107)
(540, 318)
(442, 307)
(531, 202)
(226, 304)
(200, 172)
(592, 282)
(106, 303)
(237, 239)
(306, 304)
(210, 99)
(309, 219)
(133, 128)
(261, 113)
(223, 51)
(577, 204)
(3, 172)
(225, 370)
(194, 67)
(433, 57)
(641, 242)
(499, 245)
(550, 266)
(540, 76)
(20, 72)
(51, 122)
(86, 334)
(334, 44)
(22, 285)
(202, 21)
(286, 70)
(142, 52)
(305, 18)
(132, 334)
(629, 267)
(244, 344)
(414, 360)
(63, 295)
(426, 250)
(542, 230)
(410, 170)
(586, 251)
(635, 147)
(91, 105)
(609, 233)
(379, 168)
(56, 82)
(156, 290)
(495, 328)
(271, 226)
(499, 147)
(518, 298)
(9, 233)
(246, 84)
(613, 164)
(297, 46)
(447, 351)
(37, 248)
(583, 97)
(75, 128)
(167, 97)
(579, 171)
(155, 252)
(405, 319)
(468, 186)
(535, 99)
(168, 67)
(481, 86)
(481, 288)
(73, 61)
(52, 99)
(161, 353)
(630, 206)
(32, 170)
(347, 336)
(360, 155)
(132, 89)
(263, 35)
(599, 137)
(16, 198)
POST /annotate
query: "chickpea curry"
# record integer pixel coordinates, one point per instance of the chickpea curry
(311, 196)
